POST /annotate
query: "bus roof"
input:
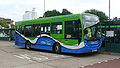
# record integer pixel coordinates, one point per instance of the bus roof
(50, 19)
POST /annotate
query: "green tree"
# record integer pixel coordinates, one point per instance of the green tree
(4, 24)
(51, 13)
(56, 13)
(102, 16)
(65, 12)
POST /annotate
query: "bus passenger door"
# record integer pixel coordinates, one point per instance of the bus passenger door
(73, 30)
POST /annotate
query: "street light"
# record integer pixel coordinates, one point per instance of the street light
(109, 9)
(44, 8)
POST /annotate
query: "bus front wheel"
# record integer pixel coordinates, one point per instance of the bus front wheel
(27, 45)
(57, 48)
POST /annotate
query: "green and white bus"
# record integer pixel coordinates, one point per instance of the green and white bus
(75, 33)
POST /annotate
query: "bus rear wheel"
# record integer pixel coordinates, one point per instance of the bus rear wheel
(27, 45)
(57, 48)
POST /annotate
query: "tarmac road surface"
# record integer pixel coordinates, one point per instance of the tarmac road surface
(12, 56)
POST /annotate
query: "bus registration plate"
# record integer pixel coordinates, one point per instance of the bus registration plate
(94, 50)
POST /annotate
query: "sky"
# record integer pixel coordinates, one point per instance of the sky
(14, 9)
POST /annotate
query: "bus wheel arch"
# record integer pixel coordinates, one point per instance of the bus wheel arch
(57, 48)
(28, 45)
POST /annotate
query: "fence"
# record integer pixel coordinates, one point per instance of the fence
(6, 34)
(111, 29)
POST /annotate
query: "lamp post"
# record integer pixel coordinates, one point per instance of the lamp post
(109, 9)
(44, 8)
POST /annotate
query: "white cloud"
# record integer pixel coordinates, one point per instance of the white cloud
(14, 9)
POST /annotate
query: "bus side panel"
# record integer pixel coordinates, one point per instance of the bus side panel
(77, 51)
(19, 40)
(89, 47)
(44, 43)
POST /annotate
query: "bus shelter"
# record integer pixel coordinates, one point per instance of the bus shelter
(6, 34)
(111, 31)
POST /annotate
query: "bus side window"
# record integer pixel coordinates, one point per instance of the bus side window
(28, 30)
(56, 28)
(22, 30)
(45, 28)
(37, 29)
(42, 29)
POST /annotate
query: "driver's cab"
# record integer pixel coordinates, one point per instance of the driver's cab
(90, 22)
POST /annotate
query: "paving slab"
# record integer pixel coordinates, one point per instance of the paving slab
(75, 62)
(106, 64)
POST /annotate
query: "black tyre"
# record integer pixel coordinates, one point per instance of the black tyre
(57, 48)
(27, 45)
